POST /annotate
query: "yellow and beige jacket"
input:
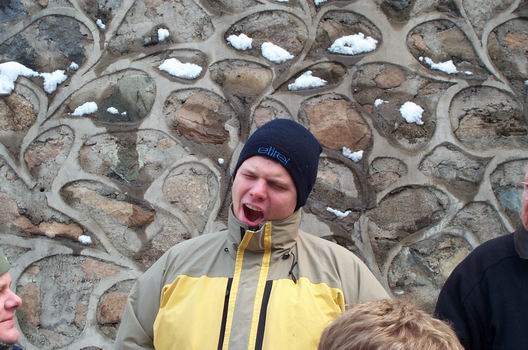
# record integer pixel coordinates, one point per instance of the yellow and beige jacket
(275, 288)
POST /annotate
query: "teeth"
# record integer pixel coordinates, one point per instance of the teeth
(252, 207)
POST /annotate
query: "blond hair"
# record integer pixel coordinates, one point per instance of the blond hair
(388, 325)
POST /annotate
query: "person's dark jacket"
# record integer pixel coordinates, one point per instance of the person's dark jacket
(486, 297)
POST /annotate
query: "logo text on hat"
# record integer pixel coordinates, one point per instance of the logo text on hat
(272, 152)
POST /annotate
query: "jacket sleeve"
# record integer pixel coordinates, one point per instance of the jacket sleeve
(462, 311)
(136, 328)
(359, 283)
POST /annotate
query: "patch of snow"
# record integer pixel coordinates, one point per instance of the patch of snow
(100, 24)
(112, 110)
(73, 66)
(220, 161)
(9, 72)
(306, 81)
(338, 213)
(124, 113)
(86, 108)
(412, 113)
(319, 2)
(52, 80)
(84, 239)
(526, 82)
(446, 67)
(353, 44)
(281, 0)
(180, 70)
(163, 34)
(467, 72)
(275, 53)
(420, 59)
(379, 102)
(240, 42)
(355, 156)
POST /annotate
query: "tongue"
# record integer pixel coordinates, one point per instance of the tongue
(253, 215)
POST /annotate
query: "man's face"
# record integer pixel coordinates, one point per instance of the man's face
(262, 191)
(524, 210)
(9, 302)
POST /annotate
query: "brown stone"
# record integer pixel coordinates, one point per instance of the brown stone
(336, 123)
(246, 81)
(419, 43)
(390, 77)
(198, 119)
(24, 224)
(16, 113)
(8, 208)
(516, 41)
(30, 294)
(53, 229)
(80, 315)
(43, 3)
(40, 153)
(110, 307)
(127, 214)
(96, 270)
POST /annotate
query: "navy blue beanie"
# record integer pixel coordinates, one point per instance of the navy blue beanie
(291, 145)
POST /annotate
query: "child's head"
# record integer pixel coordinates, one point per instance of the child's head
(388, 325)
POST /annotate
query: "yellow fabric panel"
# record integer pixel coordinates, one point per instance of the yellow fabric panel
(298, 314)
(190, 313)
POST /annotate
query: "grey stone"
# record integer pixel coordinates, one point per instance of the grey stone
(481, 219)
(506, 182)
(485, 117)
(384, 171)
(415, 207)
(454, 167)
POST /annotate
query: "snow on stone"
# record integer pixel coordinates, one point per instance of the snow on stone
(73, 66)
(355, 156)
(112, 110)
(353, 44)
(275, 53)
(100, 24)
(412, 113)
(240, 42)
(9, 72)
(84, 239)
(220, 161)
(526, 82)
(378, 102)
(52, 80)
(86, 108)
(319, 2)
(180, 70)
(306, 81)
(467, 72)
(446, 67)
(338, 213)
(281, 0)
(124, 113)
(163, 34)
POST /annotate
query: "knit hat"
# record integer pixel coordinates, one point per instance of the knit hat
(4, 264)
(291, 145)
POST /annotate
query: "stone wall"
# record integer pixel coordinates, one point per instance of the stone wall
(136, 183)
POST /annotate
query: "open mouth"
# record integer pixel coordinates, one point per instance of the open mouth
(254, 215)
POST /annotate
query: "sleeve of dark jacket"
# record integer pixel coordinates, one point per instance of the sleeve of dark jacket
(141, 309)
(461, 304)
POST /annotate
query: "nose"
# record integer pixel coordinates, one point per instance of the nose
(13, 301)
(258, 190)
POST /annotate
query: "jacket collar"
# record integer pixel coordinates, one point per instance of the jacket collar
(283, 232)
(520, 239)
